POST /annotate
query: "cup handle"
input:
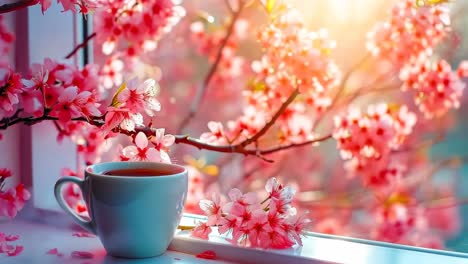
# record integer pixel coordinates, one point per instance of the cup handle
(88, 225)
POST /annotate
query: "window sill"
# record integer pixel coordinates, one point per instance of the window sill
(318, 248)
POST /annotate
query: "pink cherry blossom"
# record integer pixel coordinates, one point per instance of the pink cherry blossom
(258, 226)
(139, 98)
(67, 107)
(141, 151)
(278, 191)
(10, 90)
(212, 209)
(201, 231)
(237, 196)
(216, 134)
(121, 118)
(297, 224)
(228, 223)
(275, 240)
(251, 223)
(162, 142)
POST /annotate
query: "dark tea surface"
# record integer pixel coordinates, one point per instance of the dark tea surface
(137, 172)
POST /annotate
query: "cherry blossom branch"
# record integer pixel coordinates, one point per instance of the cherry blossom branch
(179, 139)
(6, 8)
(202, 89)
(273, 119)
(82, 45)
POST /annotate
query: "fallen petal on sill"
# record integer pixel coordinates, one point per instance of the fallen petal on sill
(209, 254)
(82, 254)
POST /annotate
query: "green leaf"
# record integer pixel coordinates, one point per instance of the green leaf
(270, 5)
(115, 100)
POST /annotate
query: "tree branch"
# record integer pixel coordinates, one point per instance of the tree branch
(82, 45)
(202, 89)
(6, 8)
(179, 139)
(273, 119)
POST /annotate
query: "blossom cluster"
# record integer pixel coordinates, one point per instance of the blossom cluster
(366, 141)
(295, 59)
(11, 200)
(143, 151)
(436, 87)
(271, 223)
(60, 90)
(411, 32)
(130, 101)
(133, 27)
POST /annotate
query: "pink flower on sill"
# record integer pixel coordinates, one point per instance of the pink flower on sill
(276, 240)
(237, 196)
(140, 97)
(297, 223)
(228, 223)
(212, 209)
(216, 134)
(241, 211)
(277, 191)
(201, 231)
(141, 151)
(275, 220)
(259, 227)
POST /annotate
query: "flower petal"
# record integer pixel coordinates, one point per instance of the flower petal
(153, 154)
(141, 140)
